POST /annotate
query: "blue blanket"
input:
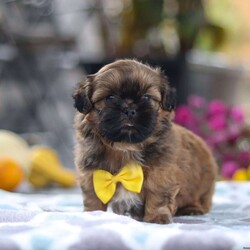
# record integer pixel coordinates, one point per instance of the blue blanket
(56, 222)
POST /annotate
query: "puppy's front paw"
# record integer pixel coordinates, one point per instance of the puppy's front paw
(158, 218)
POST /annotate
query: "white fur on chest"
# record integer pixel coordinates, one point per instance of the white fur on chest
(130, 199)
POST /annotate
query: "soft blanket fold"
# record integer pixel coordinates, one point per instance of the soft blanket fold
(56, 221)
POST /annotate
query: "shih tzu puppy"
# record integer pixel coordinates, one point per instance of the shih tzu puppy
(129, 153)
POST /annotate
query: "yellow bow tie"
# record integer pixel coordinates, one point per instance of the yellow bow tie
(131, 177)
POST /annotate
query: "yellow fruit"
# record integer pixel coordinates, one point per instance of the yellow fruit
(15, 147)
(47, 169)
(240, 175)
(11, 174)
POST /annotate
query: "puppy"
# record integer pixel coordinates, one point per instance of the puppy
(130, 155)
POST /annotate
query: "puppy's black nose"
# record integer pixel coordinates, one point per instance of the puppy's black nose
(130, 112)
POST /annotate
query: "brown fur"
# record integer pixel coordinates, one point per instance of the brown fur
(179, 170)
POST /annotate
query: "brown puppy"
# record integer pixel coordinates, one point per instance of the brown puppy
(125, 114)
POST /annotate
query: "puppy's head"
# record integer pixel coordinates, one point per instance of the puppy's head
(123, 101)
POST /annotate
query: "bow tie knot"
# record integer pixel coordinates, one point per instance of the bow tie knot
(114, 179)
(131, 177)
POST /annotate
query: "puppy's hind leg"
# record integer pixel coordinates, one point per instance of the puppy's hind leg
(202, 206)
(194, 209)
(206, 200)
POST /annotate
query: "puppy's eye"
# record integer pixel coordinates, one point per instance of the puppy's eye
(109, 97)
(146, 97)
(112, 99)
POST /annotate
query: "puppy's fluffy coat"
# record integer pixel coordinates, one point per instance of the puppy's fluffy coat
(125, 114)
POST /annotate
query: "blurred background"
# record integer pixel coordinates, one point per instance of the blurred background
(47, 46)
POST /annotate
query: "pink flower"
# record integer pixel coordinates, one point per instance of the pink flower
(217, 122)
(196, 102)
(210, 143)
(228, 157)
(244, 159)
(219, 138)
(183, 115)
(221, 127)
(233, 133)
(237, 115)
(229, 168)
(216, 107)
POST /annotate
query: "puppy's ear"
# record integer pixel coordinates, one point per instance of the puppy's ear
(82, 95)
(169, 99)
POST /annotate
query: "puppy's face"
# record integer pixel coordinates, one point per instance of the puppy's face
(123, 100)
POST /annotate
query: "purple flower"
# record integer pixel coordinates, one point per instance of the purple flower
(221, 127)
(210, 143)
(228, 168)
(244, 158)
(196, 101)
(216, 107)
(229, 157)
(233, 133)
(237, 115)
(184, 115)
(217, 122)
(218, 138)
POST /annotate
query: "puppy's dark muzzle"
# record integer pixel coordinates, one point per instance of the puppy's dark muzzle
(130, 112)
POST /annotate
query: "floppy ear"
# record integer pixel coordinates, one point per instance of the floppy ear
(169, 99)
(82, 95)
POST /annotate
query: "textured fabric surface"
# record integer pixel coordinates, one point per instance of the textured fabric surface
(55, 221)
